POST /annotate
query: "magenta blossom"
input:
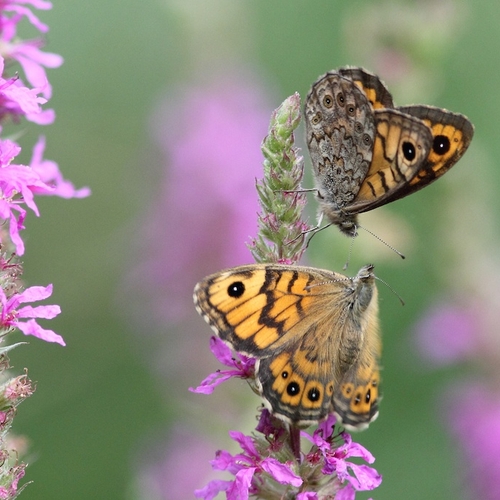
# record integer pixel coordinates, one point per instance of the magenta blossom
(448, 333)
(209, 136)
(49, 173)
(244, 367)
(335, 461)
(16, 100)
(16, 180)
(33, 61)
(20, 11)
(473, 410)
(11, 313)
(19, 184)
(248, 468)
(267, 467)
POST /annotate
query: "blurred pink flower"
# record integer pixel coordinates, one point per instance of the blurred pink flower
(448, 333)
(474, 414)
(206, 206)
(176, 466)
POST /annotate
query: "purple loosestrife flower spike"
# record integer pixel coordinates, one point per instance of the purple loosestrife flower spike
(18, 186)
(270, 465)
(281, 236)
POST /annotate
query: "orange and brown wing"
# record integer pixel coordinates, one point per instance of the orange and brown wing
(402, 146)
(374, 89)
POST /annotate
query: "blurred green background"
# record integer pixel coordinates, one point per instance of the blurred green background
(98, 400)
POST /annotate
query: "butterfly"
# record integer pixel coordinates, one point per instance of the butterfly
(366, 152)
(315, 334)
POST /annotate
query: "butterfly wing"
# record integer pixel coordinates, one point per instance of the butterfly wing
(356, 398)
(451, 136)
(299, 381)
(402, 146)
(297, 384)
(371, 85)
(306, 326)
(340, 131)
(259, 309)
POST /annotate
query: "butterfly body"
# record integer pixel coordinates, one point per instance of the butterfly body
(314, 332)
(365, 152)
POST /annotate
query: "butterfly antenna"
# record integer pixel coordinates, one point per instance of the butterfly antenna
(391, 289)
(383, 241)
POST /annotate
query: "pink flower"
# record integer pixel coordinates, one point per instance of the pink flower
(42, 177)
(448, 333)
(175, 465)
(473, 410)
(335, 461)
(206, 203)
(49, 173)
(248, 468)
(11, 313)
(27, 52)
(244, 367)
(15, 180)
(17, 100)
(33, 61)
(21, 11)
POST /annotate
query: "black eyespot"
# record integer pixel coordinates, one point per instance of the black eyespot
(409, 151)
(441, 144)
(314, 394)
(328, 101)
(236, 289)
(358, 127)
(292, 389)
(340, 99)
(316, 118)
(284, 374)
(357, 399)
(351, 110)
(367, 139)
(368, 396)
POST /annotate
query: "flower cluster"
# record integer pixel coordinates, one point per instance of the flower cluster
(267, 467)
(271, 464)
(18, 186)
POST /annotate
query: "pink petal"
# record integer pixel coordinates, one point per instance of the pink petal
(241, 485)
(46, 312)
(367, 478)
(35, 293)
(209, 384)
(346, 493)
(245, 442)
(31, 327)
(280, 472)
(45, 117)
(212, 489)
(307, 495)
